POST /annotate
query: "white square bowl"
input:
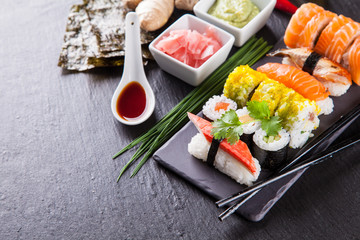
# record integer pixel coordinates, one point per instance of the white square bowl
(241, 34)
(190, 75)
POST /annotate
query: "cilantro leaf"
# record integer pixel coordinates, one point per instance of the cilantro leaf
(271, 126)
(219, 133)
(232, 137)
(238, 130)
(218, 124)
(228, 126)
(258, 110)
(230, 117)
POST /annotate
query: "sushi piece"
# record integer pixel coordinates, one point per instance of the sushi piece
(313, 29)
(351, 59)
(332, 75)
(271, 92)
(294, 78)
(327, 35)
(298, 22)
(298, 115)
(271, 151)
(249, 126)
(217, 106)
(235, 160)
(241, 83)
(342, 40)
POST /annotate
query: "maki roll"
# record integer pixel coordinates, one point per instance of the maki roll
(249, 125)
(217, 106)
(299, 116)
(271, 151)
(235, 160)
(241, 83)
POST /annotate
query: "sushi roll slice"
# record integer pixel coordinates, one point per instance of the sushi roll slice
(299, 116)
(241, 83)
(271, 151)
(249, 125)
(235, 160)
(217, 106)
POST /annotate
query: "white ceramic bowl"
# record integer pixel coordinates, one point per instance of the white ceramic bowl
(190, 75)
(241, 34)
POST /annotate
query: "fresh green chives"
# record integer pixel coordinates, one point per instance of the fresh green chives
(176, 118)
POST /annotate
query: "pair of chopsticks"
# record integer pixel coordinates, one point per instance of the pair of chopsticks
(297, 164)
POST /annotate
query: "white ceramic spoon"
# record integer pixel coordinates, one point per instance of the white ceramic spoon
(133, 72)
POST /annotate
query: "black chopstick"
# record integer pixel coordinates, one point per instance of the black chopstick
(318, 158)
(348, 118)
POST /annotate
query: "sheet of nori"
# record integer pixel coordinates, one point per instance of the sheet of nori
(79, 42)
(95, 36)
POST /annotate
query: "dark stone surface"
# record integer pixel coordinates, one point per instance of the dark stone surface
(57, 178)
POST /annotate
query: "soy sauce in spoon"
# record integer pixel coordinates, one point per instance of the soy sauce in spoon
(132, 101)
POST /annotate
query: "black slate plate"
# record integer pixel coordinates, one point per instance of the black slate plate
(174, 156)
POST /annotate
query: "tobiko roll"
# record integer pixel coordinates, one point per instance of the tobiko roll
(299, 116)
(241, 82)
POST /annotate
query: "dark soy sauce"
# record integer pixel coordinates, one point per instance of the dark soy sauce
(131, 102)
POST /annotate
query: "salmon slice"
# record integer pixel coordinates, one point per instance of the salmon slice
(239, 150)
(327, 35)
(342, 40)
(292, 77)
(298, 22)
(354, 60)
(313, 29)
(221, 106)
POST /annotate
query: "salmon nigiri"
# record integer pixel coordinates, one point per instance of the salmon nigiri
(351, 59)
(298, 22)
(328, 33)
(342, 40)
(313, 29)
(292, 77)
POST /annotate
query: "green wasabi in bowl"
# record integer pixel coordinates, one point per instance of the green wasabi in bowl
(236, 12)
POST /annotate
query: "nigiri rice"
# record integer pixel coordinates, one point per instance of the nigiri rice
(224, 162)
